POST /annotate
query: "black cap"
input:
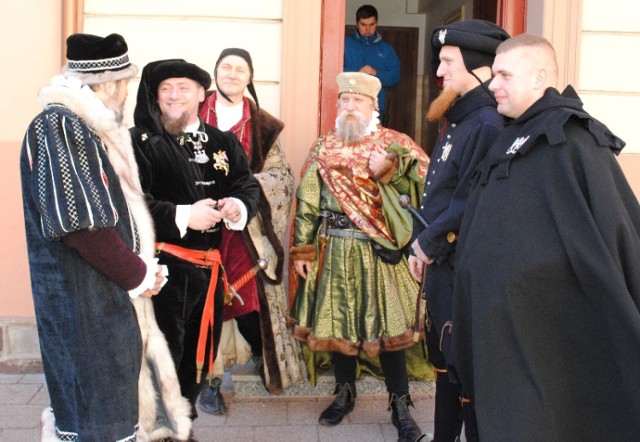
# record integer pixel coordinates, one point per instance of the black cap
(147, 115)
(177, 68)
(96, 59)
(477, 40)
(244, 54)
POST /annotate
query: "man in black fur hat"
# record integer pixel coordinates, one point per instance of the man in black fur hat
(90, 245)
(547, 288)
(197, 182)
(462, 54)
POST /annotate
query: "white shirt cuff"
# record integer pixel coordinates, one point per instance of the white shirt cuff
(150, 277)
(183, 212)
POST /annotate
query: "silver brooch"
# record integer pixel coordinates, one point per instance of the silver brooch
(442, 35)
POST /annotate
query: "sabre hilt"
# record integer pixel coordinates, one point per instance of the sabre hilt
(405, 203)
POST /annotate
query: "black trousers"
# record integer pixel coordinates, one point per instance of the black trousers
(394, 368)
(178, 309)
(249, 327)
(450, 411)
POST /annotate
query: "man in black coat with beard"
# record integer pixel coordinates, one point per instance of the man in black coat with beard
(546, 324)
(197, 182)
(462, 54)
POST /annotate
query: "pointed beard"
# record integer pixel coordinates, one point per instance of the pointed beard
(349, 130)
(175, 126)
(441, 105)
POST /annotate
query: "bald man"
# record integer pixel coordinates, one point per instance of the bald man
(546, 321)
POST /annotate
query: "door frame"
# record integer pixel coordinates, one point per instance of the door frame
(511, 16)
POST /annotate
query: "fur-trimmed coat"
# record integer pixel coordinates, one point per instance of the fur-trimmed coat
(263, 238)
(162, 411)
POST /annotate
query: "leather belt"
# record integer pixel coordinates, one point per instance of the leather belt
(339, 220)
(348, 233)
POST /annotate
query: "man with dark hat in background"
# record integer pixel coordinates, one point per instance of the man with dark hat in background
(197, 182)
(356, 294)
(260, 319)
(462, 54)
(90, 243)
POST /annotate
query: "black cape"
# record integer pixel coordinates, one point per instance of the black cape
(546, 328)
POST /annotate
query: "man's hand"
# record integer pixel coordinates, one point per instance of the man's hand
(420, 254)
(369, 70)
(229, 209)
(159, 282)
(302, 267)
(377, 161)
(416, 267)
(204, 214)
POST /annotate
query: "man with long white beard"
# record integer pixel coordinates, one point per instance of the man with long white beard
(356, 293)
(462, 54)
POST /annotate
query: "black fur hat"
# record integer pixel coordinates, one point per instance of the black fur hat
(477, 40)
(95, 59)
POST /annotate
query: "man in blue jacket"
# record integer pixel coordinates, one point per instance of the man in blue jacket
(365, 51)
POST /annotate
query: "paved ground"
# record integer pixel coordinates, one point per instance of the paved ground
(256, 418)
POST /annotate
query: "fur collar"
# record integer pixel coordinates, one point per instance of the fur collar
(266, 129)
(82, 101)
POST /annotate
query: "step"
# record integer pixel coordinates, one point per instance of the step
(242, 381)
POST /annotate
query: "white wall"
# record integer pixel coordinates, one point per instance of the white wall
(609, 73)
(196, 31)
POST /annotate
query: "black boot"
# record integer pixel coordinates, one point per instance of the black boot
(211, 400)
(408, 430)
(341, 406)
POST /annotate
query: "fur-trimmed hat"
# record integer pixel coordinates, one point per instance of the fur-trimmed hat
(477, 40)
(244, 54)
(94, 59)
(359, 83)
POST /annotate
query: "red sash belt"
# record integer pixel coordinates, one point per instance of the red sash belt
(204, 258)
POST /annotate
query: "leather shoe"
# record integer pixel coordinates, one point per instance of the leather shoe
(211, 400)
(342, 404)
(408, 430)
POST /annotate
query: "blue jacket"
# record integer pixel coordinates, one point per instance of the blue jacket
(373, 51)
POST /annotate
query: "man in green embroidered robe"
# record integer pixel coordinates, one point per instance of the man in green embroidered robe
(356, 293)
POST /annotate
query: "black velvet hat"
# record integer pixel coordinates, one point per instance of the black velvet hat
(177, 68)
(147, 115)
(95, 59)
(244, 54)
(477, 40)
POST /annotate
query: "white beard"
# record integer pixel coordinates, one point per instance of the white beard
(349, 130)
